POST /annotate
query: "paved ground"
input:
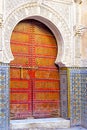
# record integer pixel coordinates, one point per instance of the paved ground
(73, 128)
(43, 124)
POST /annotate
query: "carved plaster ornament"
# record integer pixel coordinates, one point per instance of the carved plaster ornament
(79, 30)
(1, 21)
(39, 2)
(78, 1)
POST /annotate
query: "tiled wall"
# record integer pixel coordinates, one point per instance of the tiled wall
(70, 83)
(77, 78)
(84, 97)
(63, 92)
(74, 79)
(4, 98)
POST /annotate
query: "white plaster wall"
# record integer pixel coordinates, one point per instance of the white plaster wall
(83, 22)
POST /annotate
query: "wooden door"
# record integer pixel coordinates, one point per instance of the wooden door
(34, 77)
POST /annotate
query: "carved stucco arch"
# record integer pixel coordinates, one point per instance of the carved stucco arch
(47, 16)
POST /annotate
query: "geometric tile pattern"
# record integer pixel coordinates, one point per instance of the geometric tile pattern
(84, 97)
(74, 79)
(4, 97)
(63, 92)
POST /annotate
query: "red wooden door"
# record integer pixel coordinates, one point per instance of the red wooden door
(34, 77)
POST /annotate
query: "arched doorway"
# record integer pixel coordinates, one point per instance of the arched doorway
(34, 77)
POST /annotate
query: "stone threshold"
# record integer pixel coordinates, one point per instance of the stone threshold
(50, 123)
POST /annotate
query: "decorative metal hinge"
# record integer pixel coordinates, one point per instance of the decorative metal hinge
(27, 67)
(22, 67)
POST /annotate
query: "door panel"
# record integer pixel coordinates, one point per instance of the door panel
(46, 85)
(45, 51)
(20, 37)
(47, 74)
(35, 90)
(21, 49)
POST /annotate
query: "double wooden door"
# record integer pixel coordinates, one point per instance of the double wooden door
(34, 77)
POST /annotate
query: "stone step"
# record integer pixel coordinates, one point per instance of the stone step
(36, 124)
